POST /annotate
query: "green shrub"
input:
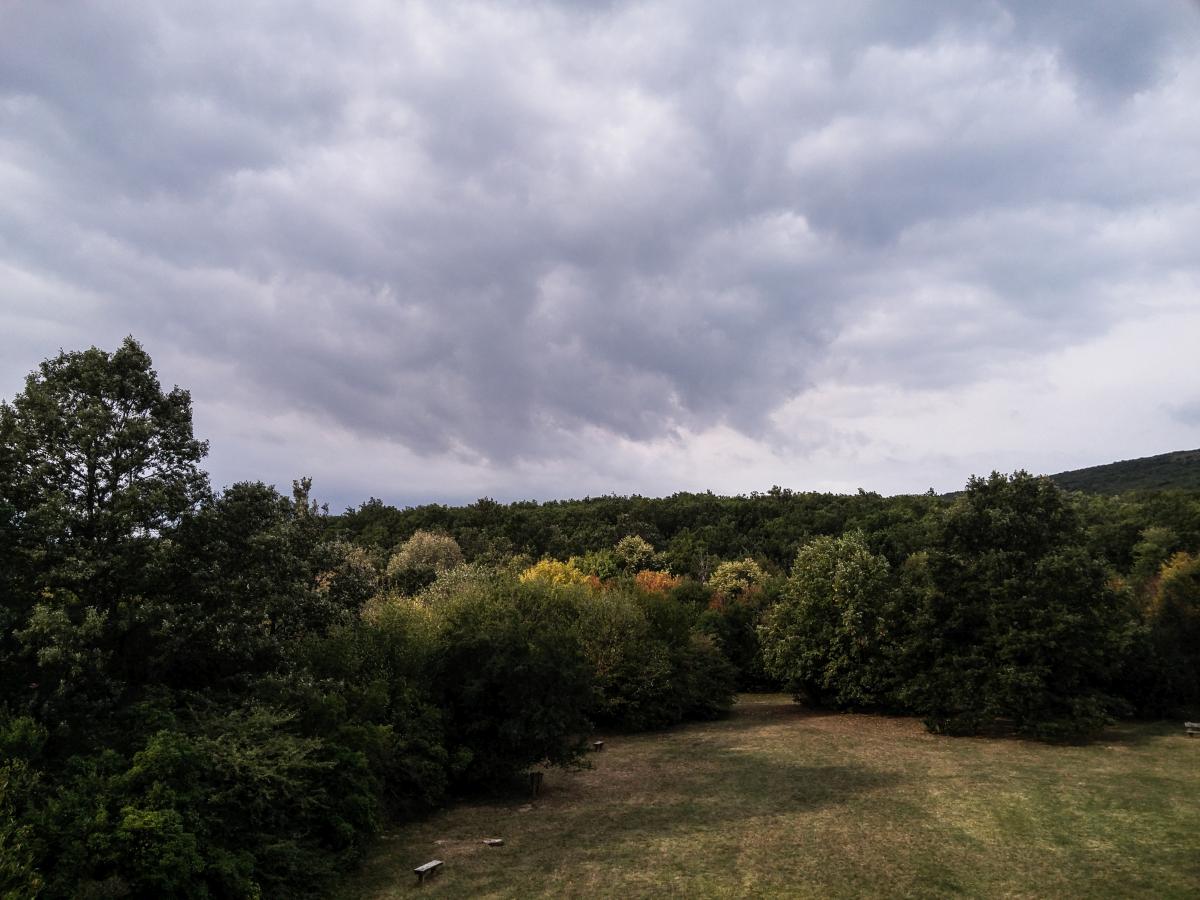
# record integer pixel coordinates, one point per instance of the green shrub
(633, 684)
(1171, 644)
(708, 679)
(19, 876)
(650, 670)
(420, 559)
(367, 686)
(511, 679)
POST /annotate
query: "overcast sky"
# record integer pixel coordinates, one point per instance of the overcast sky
(436, 251)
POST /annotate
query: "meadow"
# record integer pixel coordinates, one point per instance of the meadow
(779, 800)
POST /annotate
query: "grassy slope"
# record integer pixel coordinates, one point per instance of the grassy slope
(1180, 469)
(777, 801)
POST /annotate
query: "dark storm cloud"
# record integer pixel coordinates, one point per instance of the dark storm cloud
(485, 228)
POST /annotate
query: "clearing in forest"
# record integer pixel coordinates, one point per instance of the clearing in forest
(781, 801)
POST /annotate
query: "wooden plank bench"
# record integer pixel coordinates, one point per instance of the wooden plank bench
(494, 842)
(597, 746)
(428, 870)
(1192, 728)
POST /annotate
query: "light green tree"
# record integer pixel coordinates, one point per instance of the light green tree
(735, 578)
(422, 558)
(824, 638)
(633, 553)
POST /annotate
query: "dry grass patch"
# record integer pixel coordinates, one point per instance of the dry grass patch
(779, 801)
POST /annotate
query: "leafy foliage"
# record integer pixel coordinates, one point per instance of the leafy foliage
(633, 553)
(96, 461)
(551, 571)
(422, 558)
(511, 678)
(828, 637)
(1016, 620)
(633, 685)
(736, 578)
(652, 582)
(1173, 621)
(651, 668)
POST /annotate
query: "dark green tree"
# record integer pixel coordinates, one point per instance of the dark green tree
(1016, 622)
(95, 461)
(97, 464)
(511, 678)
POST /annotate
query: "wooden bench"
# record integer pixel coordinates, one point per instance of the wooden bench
(597, 746)
(494, 842)
(1192, 728)
(428, 870)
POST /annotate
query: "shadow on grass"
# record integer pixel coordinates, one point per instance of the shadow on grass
(744, 716)
(660, 804)
(1138, 733)
(687, 807)
(754, 710)
(746, 788)
(668, 797)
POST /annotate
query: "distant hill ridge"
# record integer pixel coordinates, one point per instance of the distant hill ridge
(1179, 469)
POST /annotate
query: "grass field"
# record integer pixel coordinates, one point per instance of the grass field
(780, 801)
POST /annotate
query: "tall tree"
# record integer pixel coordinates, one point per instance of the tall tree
(1018, 622)
(94, 459)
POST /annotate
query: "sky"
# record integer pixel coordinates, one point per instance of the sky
(439, 251)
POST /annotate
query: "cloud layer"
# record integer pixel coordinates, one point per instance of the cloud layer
(438, 250)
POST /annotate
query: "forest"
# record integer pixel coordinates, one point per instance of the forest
(230, 693)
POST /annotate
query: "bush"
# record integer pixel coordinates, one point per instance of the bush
(230, 804)
(511, 677)
(633, 684)
(650, 669)
(367, 687)
(733, 628)
(19, 876)
(709, 679)
(1172, 657)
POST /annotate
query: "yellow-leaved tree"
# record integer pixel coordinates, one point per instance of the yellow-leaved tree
(552, 571)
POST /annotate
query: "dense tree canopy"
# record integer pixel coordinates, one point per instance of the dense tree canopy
(1017, 620)
(223, 694)
(227, 694)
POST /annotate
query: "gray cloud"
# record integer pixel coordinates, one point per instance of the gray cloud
(480, 231)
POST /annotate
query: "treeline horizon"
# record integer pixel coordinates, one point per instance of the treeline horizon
(230, 693)
(691, 529)
(1175, 470)
(1127, 580)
